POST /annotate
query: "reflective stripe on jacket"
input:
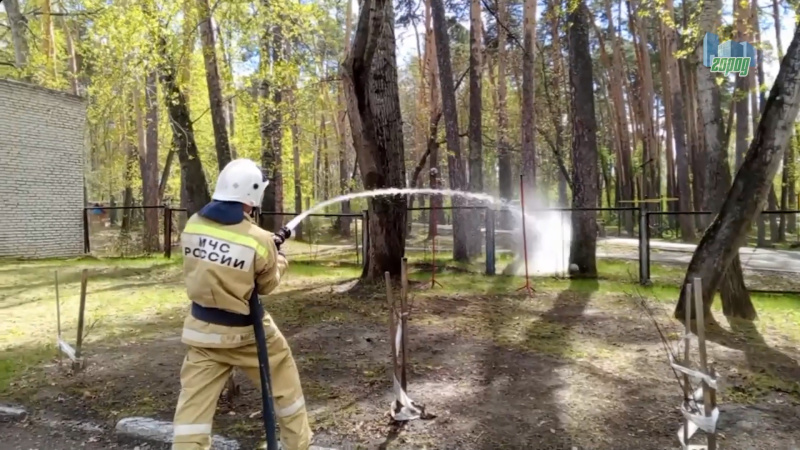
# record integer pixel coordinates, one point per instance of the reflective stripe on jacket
(222, 264)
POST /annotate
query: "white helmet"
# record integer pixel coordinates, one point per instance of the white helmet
(241, 181)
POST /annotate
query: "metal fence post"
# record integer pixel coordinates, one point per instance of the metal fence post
(365, 238)
(490, 244)
(644, 245)
(355, 236)
(86, 245)
(167, 232)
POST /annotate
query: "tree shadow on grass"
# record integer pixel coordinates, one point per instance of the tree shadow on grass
(528, 379)
(761, 358)
(73, 275)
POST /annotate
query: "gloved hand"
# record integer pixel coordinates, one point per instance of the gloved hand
(281, 236)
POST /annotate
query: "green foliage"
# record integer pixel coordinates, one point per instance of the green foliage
(115, 45)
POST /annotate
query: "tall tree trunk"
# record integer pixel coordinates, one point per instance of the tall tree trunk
(72, 59)
(650, 157)
(720, 244)
(49, 38)
(326, 167)
(230, 102)
(688, 88)
(343, 223)
(271, 127)
(528, 94)
(140, 149)
(741, 93)
(148, 160)
(760, 91)
(787, 176)
(19, 25)
(504, 172)
(187, 49)
(215, 97)
(127, 195)
(455, 166)
(617, 74)
(373, 105)
(583, 248)
(735, 297)
(475, 123)
(791, 197)
(194, 179)
(673, 92)
(668, 125)
(298, 184)
(184, 83)
(696, 158)
(420, 127)
(434, 177)
(165, 172)
(557, 97)
(772, 204)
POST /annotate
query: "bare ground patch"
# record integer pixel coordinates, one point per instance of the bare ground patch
(577, 368)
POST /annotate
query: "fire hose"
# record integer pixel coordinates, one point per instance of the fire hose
(257, 315)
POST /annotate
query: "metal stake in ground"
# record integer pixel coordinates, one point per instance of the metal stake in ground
(403, 408)
(392, 325)
(434, 213)
(78, 363)
(709, 394)
(687, 389)
(355, 236)
(58, 319)
(404, 320)
(527, 286)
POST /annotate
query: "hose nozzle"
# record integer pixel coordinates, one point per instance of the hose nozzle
(281, 236)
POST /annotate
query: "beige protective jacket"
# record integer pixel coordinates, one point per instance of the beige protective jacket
(222, 264)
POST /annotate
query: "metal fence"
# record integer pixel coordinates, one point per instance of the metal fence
(496, 244)
(321, 237)
(123, 231)
(493, 246)
(501, 244)
(780, 234)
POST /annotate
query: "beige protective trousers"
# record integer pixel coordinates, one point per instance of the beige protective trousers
(203, 376)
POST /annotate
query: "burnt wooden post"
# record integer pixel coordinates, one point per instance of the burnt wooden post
(490, 241)
(78, 363)
(355, 238)
(404, 321)
(365, 239)
(167, 232)
(644, 245)
(86, 244)
(687, 391)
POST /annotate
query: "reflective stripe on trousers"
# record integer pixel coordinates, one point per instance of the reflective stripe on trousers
(203, 376)
(216, 339)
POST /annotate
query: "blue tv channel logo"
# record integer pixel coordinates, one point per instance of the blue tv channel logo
(730, 56)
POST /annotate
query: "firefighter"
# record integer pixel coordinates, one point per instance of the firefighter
(225, 256)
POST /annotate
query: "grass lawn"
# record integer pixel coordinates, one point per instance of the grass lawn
(577, 364)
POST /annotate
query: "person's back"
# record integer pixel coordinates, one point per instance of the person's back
(222, 264)
(226, 256)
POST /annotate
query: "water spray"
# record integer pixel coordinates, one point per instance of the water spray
(391, 192)
(544, 226)
(527, 287)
